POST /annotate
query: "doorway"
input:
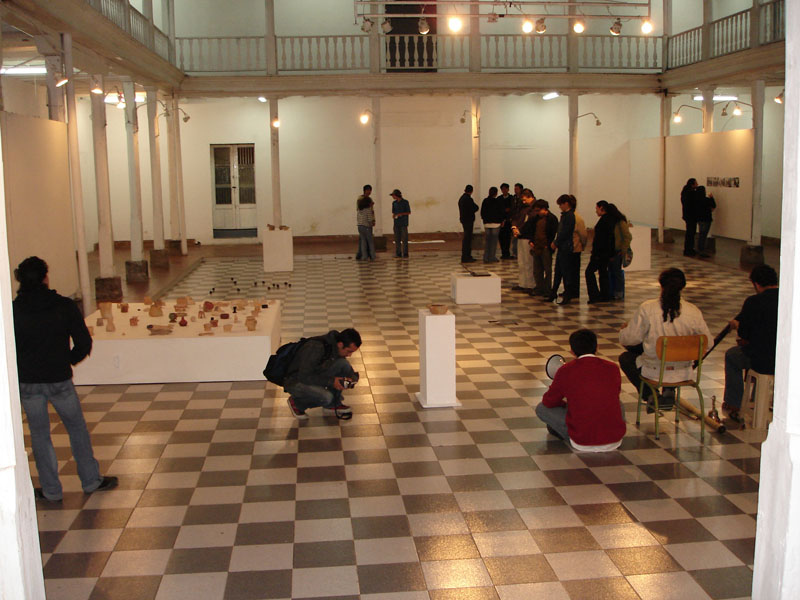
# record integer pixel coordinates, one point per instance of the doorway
(234, 191)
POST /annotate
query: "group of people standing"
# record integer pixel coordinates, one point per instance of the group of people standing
(365, 219)
(542, 235)
(696, 210)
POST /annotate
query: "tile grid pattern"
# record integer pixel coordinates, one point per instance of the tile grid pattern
(224, 495)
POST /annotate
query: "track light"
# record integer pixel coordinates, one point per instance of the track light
(578, 26)
(717, 98)
(737, 112)
(540, 26)
(779, 98)
(724, 112)
(62, 81)
(386, 25)
(550, 96)
(276, 122)
(647, 26)
(366, 26)
(616, 27)
(96, 87)
(423, 26)
(492, 17)
(455, 24)
(527, 26)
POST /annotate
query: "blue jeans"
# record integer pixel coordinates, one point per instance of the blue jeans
(366, 244)
(34, 398)
(556, 418)
(736, 362)
(400, 239)
(310, 396)
(616, 277)
(490, 247)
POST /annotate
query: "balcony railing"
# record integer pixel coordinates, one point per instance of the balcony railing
(221, 54)
(623, 52)
(730, 34)
(523, 52)
(323, 53)
(773, 22)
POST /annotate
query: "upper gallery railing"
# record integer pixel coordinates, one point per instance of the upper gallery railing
(127, 18)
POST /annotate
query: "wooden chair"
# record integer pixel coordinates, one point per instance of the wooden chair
(670, 349)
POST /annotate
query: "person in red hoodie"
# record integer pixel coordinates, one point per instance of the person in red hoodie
(582, 406)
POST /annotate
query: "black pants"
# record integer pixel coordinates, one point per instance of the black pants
(688, 240)
(466, 241)
(599, 265)
(571, 271)
(627, 362)
(505, 240)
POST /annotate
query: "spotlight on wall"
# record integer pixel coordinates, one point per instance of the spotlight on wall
(366, 26)
(276, 122)
(550, 96)
(737, 112)
(616, 27)
(677, 118)
(455, 24)
(96, 87)
(386, 25)
(647, 26)
(262, 99)
(365, 116)
(464, 116)
(540, 26)
(62, 81)
(779, 98)
(578, 26)
(527, 26)
(597, 122)
(422, 26)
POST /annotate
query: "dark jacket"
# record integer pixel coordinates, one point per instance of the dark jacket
(603, 244)
(758, 324)
(688, 204)
(705, 204)
(44, 323)
(493, 210)
(466, 209)
(528, 230)
(566, 227)
(312, 360)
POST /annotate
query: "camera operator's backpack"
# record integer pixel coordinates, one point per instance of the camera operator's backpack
(278, 363)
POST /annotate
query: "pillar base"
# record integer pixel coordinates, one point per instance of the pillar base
(174, 247)
(136, 271)
(751, 255)
(108, 289)
(159, 259)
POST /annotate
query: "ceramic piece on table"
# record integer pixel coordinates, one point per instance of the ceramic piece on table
(251, 323)
(173, 317)
(183, 322)
(207, 326)
(134, 321)
(235, 318)
(208, 305)
(159, 329)
(155, 311)
(438, 309)
(181, 301)
(147, 300)
(201, 314)
(224, 316)
(124, 307)
(227, 327)
(214, 322)
(193, 319)
(189, 301)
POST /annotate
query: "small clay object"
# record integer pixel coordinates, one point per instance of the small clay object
(251, 323)
(100, 321)
(234, 309)
(235, 318)
(183, 322)
(159, 329)
(207, 326)
(271, 227)
(134, 321)
(124, 307)
(189, 300)
(224, 316)
(214, 322)
(208, 305)
(180, 301)
(255, 284)
(201, 314)
(227, 328)
(155, 311)
(285, 283)
(263, 282)
(173, 317)
(110, 326)
(193, 319)
(147, 300)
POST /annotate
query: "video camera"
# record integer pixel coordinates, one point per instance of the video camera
(350, 382)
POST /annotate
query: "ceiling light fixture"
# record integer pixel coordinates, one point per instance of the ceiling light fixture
(579, 26)
(540, 26)
(616, 27)
(366, 26)
(386, 25)
(96, 87)
(527, 26)
(262, 99)
(365, 116)
(717, 98)
(455, 24)
(647, 26)
(276, 122)
(423, 27)
(779, 98)
(550, 96)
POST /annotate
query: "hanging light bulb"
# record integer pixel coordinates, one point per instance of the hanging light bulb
(616, 27)
(423, 27)
(96, 87)
(527, 26)
(364, 118)
(120, 101)
(276, 122)
(455, 24)
(540, 26)
(779, 98)
(366, 26)
(677, 118)
(647, 26)
(386, 25)
(737, 111)
(578, 26)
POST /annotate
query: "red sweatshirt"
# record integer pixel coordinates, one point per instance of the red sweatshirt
(591, 387)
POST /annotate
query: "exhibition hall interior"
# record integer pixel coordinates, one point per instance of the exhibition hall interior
(190, 169)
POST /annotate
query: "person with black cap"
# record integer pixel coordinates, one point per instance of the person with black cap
(400, 211)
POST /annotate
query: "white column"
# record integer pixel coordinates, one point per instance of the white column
(171, 25)
(475, 135)
(134, 174)
(757, 98)
(705, 50)
(174, 218)
(271, 45)
(666, 30)
(474, 39)
(55, 96)
(708, 110)
(777, 556)
(275, 158)
(375, 42)
(105, 235)
(147, 11)
(755, 24)
(181, 215)
(666, 116)
(154, 139)
(76, 185)
(377, 194)
(573, 143)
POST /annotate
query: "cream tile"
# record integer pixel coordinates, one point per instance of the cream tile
(593, 564)
(713, 468)
(227, 463)
(465, 466)
(55, 520)
(189, 586)
(656, 510)
(730, 527)
(586, 494)
(703, 555)
(206, 536)
(170, 481)
(746, 502)
(622, 535)
(620, 474)
(136, 562)
(256, 557)
(369, 471)
(322, 530)
(649, 457)
(377, 506)
(182, 450)
(271, 476)
(441, 574)
(320, 459)
(437, 524)
(424, 485)
(505, 543)
(667, 586)
(266, 512)
(507, 449)
(326, 581)
(533, 591)
(386, 551)
(549, 462)
(78, 588)
(460, 438)
(229, 494)
(321, 490)
(686, 488)
(233, 435)
(89, 540)
(411, 454)
(488, 500)
(157, 516)
(546, 517)
(523, 480)
(127, 466)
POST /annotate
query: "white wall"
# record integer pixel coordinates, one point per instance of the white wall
(24, 98)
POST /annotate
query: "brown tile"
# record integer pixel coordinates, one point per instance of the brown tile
(407, 441)
(199, 560)
(561, 477)
(744, 549)
(274, 461)
(610, 588)
(78, 564)
(361, 431)
(332, 508)
(637, 490)
(180, 465)
(126, 588)
(122, 415)
(222, 478)
(550, 446)
(248, 385)
(230, 448)
(751, 466)
(679, 531)
(154, 426)
(494, 520)
(256, 585)
(270, 493)
(389, 418)
(473, 483)
(446, 547)
(366, 457)
(201, 413)
(532, 498)
(108, 518)
(478, 593)
(643, 560)
(730, 582)
(320, 445)
(492, 437)
(167, 497)
(512, 464)
(508, 570)
(443, 426)
(278, 532)
(430, 503)
(425, 468)
(140, 451)
(48, 540)
(317, 474)
(212, 513)
(189, 437)
(362, 488)
(522, 422)
(476, 413)
(693, 453)
(673, 470)
(380, 527)
(277, 435)
(457, 452)
(147, 538)
(734, 484)
(603, 514)
(564, 539)
(390, 578)
(709, 506)
(603, 459)
(324, 554)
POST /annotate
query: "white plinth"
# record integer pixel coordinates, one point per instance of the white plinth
(132, 355)
(437, 360)
(641, 248)
(278, 250)
(467, 289)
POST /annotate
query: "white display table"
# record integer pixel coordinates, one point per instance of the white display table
(641, 248)
(278, 249)
(437, 360)
(132, 355)
(468, 289)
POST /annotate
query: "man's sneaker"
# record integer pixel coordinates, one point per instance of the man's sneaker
(340, 411)
(300, 415)
(107, 482)
(39, 495)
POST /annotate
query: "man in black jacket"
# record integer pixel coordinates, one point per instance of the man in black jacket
(466, 214)
(603, 250)
(44, 324)
(320, 371)
(540, 233)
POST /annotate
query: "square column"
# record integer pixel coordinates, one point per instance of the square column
(437, 360)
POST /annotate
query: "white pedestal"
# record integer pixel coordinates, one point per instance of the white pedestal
(131, 355)
(641, 248)
(437, 360)
(278, 249)
(467, 289)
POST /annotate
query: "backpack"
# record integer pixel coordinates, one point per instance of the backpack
(278, 363)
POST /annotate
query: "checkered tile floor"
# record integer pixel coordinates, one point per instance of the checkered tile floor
(224, 495)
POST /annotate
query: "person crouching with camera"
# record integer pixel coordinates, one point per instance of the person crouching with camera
(320, 371)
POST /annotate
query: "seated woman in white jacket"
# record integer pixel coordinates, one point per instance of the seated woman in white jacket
(666, 315)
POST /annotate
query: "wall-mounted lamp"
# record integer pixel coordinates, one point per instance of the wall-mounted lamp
(423, 27)
(455, 24)
(616, 27)
(96, 87)
(276, 122)
(366, 26)
(386, 25)
(540, 26)
(527, 26)
(578, 26)
(597, 122)
(779, 98)
(647, 26)
(365, 116)
(676, 116)
(62, 81)
(550, 96)
(737, 110)
(467, 115)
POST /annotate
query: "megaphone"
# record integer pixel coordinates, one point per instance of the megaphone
(553, 364)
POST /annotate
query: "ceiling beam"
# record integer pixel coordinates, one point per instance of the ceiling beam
(737, 69)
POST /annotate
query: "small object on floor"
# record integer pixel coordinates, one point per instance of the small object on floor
(714, 413)
(340, 411)
(107, 482)
(553, 432)
(300, 415)
(39, 495)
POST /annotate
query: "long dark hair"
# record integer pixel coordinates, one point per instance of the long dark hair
(672, 281)
(611, 209)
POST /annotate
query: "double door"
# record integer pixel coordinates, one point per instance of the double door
(234, 190)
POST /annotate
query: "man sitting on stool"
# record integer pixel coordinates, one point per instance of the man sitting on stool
(582, 405)
(757, 325)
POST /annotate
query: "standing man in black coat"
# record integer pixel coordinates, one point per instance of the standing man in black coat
(44, 324)
(689, 215)
(603, 250)
(466, 214)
